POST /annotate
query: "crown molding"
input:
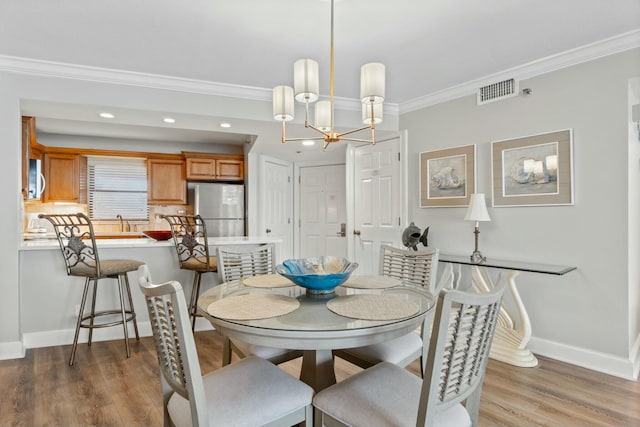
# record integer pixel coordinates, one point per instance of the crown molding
(63, 70)
(37, 67)
(599, 49)
(612, 45)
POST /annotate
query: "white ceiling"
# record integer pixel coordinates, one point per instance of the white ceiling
(427, 45)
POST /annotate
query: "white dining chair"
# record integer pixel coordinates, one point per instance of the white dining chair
(388, 395)
(234, 264)
(414, 268)
(252, 392)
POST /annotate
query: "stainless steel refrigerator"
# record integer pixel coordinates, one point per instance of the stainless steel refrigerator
(220, 205)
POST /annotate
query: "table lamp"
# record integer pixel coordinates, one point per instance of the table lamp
(477, 212)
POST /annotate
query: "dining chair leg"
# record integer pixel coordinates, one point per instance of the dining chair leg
(193, 305)
(92, 318)
(131, 308)
(79, 322)
(124, 315)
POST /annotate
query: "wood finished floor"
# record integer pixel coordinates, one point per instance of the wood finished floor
(104, 388)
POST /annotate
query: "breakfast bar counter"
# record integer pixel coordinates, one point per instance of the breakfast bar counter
(48, 297)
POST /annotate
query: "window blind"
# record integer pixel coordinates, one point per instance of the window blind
(117, 186)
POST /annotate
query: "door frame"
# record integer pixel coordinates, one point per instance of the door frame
(404, 197)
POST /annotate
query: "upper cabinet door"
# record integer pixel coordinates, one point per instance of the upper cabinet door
(167, 183)
(62, 177)
(214, 167)
(199, 169)
(230, 170)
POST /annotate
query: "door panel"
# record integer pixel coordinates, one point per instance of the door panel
(377, 210)
(322, 210)
(277, 199)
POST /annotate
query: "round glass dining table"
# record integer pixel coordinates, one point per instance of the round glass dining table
(312, 326)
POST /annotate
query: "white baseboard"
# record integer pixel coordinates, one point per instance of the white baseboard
(596, 361)
(65, 336)
(11, 350)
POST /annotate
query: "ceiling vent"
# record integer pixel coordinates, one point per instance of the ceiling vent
(497, 91)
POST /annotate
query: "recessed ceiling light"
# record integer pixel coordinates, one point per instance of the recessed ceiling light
(169, 120)
(106, 115)
(308, 142)
(225, 125)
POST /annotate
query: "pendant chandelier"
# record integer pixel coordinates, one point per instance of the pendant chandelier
(306, 90)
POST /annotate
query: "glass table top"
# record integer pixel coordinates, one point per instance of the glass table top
(508, 264)
(313, 315)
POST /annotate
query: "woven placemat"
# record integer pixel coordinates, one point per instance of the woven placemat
(373, 307)
(267, 281)
(371, 282)
(252, 306)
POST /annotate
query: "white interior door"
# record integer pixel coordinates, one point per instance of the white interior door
(377, 202)
(323, 214)
(276, 198)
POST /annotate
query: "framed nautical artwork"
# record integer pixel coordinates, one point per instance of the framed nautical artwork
(534, 170)
(447, 176)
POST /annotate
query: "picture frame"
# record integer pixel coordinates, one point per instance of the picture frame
(535, 170)
(447, 176)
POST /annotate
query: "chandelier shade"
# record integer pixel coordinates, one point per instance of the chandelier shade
(283, 107)
(306, 90)
(306, 80)
(366, 113)
(324, 115)
(372, 83)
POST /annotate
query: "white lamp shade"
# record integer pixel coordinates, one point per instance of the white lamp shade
(306, 80)
(551, 162)
(372, 82)
(477, 209)
(283, 108)
(366, 113)
(323, 116)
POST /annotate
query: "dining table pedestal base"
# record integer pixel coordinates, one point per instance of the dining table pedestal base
(318, 369)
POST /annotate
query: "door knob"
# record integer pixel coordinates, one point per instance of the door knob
(268, 230)
(356, 232)
(343, 230)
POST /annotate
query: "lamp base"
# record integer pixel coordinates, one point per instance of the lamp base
(477, 258)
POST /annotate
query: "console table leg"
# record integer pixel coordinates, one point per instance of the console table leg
(509, 342)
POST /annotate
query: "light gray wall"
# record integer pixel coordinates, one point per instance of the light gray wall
(585, 312)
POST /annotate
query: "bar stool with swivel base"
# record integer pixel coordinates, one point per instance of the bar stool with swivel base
(78, 244)
(190, 239)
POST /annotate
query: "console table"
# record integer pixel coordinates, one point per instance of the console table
(510, 341)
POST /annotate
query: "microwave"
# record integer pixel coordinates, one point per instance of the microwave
(36, 180)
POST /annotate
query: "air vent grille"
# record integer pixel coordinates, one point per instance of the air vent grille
(497, 91)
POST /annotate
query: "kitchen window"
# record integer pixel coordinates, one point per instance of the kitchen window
(117, 186)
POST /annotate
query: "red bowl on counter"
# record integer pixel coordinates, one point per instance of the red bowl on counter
(158, 234)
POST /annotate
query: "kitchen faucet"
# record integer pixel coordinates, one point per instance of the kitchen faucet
(122, 223)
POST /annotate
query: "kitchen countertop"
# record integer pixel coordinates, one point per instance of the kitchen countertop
(52, 243)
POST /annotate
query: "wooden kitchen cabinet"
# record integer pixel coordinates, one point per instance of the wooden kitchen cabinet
(62, 177)
(212, 167)
(166, 182)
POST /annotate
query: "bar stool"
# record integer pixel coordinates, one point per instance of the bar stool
(78, 244)
(190, 239)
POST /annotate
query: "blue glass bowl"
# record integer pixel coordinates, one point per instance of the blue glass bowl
(319, 275)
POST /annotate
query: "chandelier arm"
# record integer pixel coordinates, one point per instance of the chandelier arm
(368, 141)
(319, 138)
(327, 134)
(354, 131)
